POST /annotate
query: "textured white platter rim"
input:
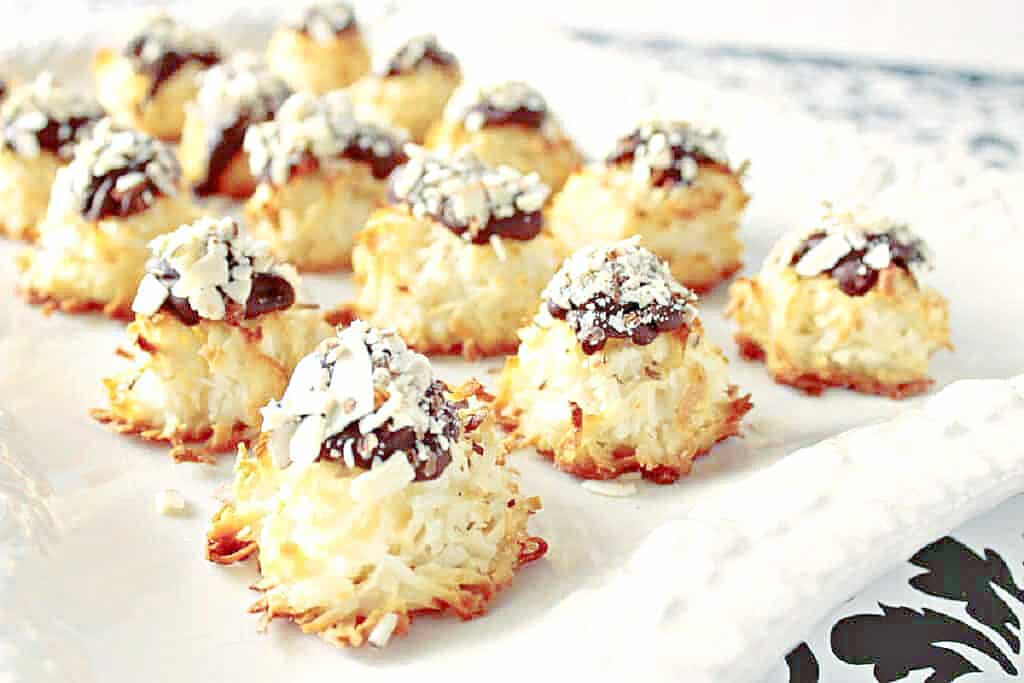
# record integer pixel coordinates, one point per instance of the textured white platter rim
(710, 580)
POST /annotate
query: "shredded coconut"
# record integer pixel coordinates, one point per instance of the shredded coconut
(323, 21)
(669, 152)
(170, 502)
(617, 290)
(381, 633)
(360, 398)
(206, 263)
(242, 86)
(323, 129)
(44, 115)
(470, 197)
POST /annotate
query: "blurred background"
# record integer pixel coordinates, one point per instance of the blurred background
(980, 34)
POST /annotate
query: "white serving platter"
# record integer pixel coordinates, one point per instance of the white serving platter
(96, 586)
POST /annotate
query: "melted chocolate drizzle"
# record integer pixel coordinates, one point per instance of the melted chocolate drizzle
(519, 226)
(396, 66)
(603, 309)
(523, 117)
(56, 136)
(625, 153)
(385, 441)
(269, 293)
(223, 143)
(380, 166)
(854, 277)
(101, 198)
(167, 64)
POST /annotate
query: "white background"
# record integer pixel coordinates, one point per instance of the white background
(976, 33)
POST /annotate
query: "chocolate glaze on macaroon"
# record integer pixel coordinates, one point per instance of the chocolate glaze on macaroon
(232, 96)
(361, 399)
(269, 293)
(416, 51)
(473, 200)
(853, 254)
(385, 441)
(512, 103)
(310, 133)
(617, 291)
(44, 116)
(669, 153)
(117, 173)
(163, 46)
(228, 276)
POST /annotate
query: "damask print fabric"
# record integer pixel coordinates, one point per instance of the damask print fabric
(952, 613)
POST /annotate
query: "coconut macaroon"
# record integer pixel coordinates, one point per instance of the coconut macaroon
(217, 332)
(320, 49)
(457, 262)
(147, 84)
(232, 96)
(412, 89)
(321, 173)
(40, 123)
(615, 375)
(375, 494)
(121, 189)
(670, 183)
(842, 304)
(507, 124)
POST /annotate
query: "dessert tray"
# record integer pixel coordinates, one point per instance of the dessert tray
(715, 578)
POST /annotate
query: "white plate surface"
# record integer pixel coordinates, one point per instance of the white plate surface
(95, 586)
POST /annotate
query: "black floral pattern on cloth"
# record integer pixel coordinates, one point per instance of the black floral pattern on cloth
(896, 641)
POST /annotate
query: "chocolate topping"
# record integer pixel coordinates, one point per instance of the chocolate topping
(163, 46)
(854, 275)
(512, 103)
(419, 50)
(595, 317)
(852, 246)
(360, 399)
(116, 173)
(474, 201)
(160, 70)
(493, 116)
(209, 270)
(428, 459)
(666, 153)
(312, 133)
(3, 88)
(111, 195)
(222, 144)
(382, 159)
(617, 291)
(42, 115)
(269, 293)
(232, 96)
